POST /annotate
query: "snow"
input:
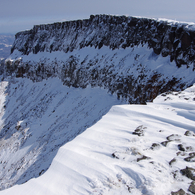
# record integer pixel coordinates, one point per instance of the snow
(38, 118)
(55, 141)
(58, 140)
(108, 158)
(129, 61)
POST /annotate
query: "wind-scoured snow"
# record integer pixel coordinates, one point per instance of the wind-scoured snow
(38, 118)
(136, 74)
(133, 149)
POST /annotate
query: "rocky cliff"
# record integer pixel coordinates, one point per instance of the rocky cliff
(123, 50)
(134, 59)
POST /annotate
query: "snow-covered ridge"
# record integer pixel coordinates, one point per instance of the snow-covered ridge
(133, 149)
(166, 38)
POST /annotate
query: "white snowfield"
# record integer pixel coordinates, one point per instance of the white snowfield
(133, 149)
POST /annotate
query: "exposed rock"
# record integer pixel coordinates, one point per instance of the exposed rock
(185, 41)
(172, 161)
(189, 172)
(155, 146)
(182, 153)
(114, 32)
(181, 147)
(179, 192)
(139, 131)
(192, 187)
(161, 131)
(143, 158)
(174, 137)
(189, 133)
(191, 157)
(115, 156)
(189, 148)
(129, 188)
(165, 38)
(165, 143)
(192, 154)
(41, 172)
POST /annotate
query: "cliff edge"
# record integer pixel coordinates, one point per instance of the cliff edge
(123, 50)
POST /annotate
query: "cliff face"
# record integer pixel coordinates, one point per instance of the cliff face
(176, 40)
(133, 58)
(138, 82)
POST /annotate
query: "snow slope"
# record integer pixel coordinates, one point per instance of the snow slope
(37, 118)
(136, 74)
(133, 149)
(137, 149)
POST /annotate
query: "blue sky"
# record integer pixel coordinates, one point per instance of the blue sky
(19, 15)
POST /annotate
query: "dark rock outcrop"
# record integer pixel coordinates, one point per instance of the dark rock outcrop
(179, 192)
(192, 187)
(188, 172)
(136, 83)
(173, 39)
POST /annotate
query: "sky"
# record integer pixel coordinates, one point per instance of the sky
(21, 15)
